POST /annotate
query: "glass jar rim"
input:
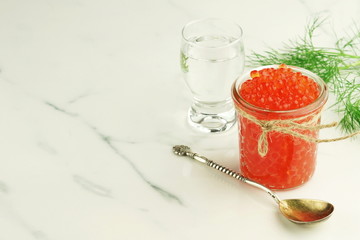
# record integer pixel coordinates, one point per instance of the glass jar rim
(321, 99)
(188, 41)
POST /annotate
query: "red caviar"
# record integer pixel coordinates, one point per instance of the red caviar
(279, 89)
(274, 93)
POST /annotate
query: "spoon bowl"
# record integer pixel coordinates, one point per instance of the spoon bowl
(301, 211)
(305, 210)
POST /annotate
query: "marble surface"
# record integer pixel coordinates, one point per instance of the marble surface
(92, 101)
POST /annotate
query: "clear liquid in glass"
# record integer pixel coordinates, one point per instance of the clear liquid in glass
(210, 65)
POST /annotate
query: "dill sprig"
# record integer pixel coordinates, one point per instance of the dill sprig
(338, 66)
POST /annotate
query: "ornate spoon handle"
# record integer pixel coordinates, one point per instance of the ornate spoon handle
(182, 150)
(224, 169)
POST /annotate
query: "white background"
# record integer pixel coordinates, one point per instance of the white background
(92, 100)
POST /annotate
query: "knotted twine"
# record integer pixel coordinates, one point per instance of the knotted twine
(289, 126)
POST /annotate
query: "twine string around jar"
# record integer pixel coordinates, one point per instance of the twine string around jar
(289, 126)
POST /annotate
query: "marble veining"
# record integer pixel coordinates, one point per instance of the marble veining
(92, 102)
(108, 140)
(92, 187)
(46, 147)
(3, 187)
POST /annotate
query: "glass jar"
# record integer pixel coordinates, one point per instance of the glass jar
(289, 161)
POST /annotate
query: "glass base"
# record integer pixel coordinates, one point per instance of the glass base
(212, 117)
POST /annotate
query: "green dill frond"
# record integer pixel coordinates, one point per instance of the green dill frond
(339, 67)
(350, 121)
(183, 62)
(311, 28)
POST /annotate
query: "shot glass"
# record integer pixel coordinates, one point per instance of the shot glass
(211, 59)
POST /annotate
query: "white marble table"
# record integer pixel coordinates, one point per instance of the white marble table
(92, 101)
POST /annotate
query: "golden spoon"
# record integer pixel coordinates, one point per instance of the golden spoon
(296, 210)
